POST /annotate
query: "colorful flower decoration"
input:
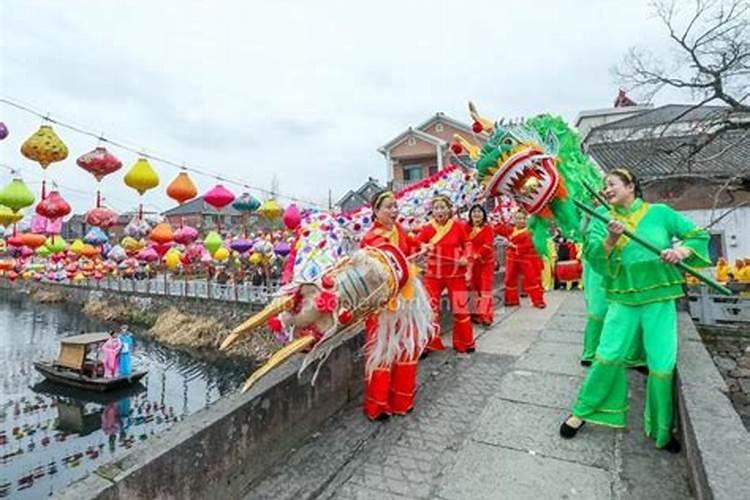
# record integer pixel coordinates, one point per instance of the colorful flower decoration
(44, 147)
(182, 188)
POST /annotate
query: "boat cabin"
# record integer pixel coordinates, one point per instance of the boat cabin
(74, 351)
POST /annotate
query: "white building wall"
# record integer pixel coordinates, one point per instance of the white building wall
(734, 228)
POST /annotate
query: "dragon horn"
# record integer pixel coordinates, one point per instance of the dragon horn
(279, 304)
(472, 149)
(279, 357)
(487, 124)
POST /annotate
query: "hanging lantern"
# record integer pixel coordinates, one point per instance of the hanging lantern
(162, 233)
(96, 236)
(137, 228)
(55, 244)
(173, 259)
(117, 254)
(212, 242)
(292, 217)
(182, 188)
(162, 248)
(222, 254)
(32, 240)
(218, 197)
(8, 217)
(76, 247)
(53, 206)
(43, 251)
(99, 162)
(185, 235)
(240, 245)
(246, 203)
(132, 245)
(44, 147)
(3, 131)
(142, 176)
(16, 195)
(270, 209)
(101, 217)
(281, 249)
(89, 251)
(148, 255)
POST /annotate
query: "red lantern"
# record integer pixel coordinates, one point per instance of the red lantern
(101, 217)
(477, 127)
(53, 206)
(219, 197)
(456, 148)
(99, 163)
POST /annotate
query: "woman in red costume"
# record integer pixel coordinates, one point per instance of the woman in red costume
(446, 240)
(389, 390)
(521, 261)
(482, 258)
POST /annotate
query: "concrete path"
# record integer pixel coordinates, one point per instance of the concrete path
(486, 427)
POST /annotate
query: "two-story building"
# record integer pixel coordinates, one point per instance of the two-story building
(421, 151)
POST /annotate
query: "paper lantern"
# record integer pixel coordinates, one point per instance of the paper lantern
(101, 217)
(148, 255)
(182, 188)
(281, 249)
(3, 131)
(212, 242)
(53, 206)
(162, 233)
(96, 236)
(32, 240)
(256, 258)
(142, 176)
(76, 247)
(16, 195)
(270, 209)
(15, 241)
(185, 235)
(44, 147)
(43, 251)
(132, 245)
(218, 197)
(240, 245)
(8, 217)
(161, 249)
(246, 203)
(292, 217)
(99, 162)
(173, 259)
(117, 253)
(221, 254)
(55, 244)
(137, 228)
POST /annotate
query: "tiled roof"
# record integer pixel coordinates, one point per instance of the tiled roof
(727, 154)
(667, 114)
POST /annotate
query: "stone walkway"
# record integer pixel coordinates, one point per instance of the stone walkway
(486, 427)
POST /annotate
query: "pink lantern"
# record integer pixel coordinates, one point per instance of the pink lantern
(218, 197)
(148, 255)
(185, 235)
(101, 217)
(292, 217)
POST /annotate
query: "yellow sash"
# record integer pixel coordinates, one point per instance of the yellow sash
(440, 231)
(391, 235)
(630, 221)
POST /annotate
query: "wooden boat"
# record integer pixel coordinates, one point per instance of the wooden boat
(73, 368)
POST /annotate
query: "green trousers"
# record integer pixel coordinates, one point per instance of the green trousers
(596, 310)
(603, 397)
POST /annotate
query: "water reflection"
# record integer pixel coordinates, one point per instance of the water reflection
(51, 435)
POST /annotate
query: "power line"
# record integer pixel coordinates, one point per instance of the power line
(142, 152)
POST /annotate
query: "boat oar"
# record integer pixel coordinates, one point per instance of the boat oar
(680, 265)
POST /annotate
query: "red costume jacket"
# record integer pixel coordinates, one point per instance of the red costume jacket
(378, 235)
(482, 245)
(450, 241)
(521, 245)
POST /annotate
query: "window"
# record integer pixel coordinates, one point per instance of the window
(412, 172)
(716, 247)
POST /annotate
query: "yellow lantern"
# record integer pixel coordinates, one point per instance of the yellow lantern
(7, 217)
(256, 258)
(77, 247)
(142, 176)
(131, 245)
(173, 259)
(221, 254)
(270, 209)
(44, 147)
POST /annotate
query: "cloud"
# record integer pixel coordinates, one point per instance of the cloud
(303, 90)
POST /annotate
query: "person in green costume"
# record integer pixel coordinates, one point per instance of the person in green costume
(641, 289)
(596, 309)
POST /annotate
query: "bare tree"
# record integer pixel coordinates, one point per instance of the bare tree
(710, 60)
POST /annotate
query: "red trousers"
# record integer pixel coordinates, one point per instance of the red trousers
(463, 332)
(389, 389)
(530, 271)
(482, 281)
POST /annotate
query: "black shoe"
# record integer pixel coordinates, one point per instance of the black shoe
(585, 362)
(673, 446)
(568, 431)
(424, 354)
(643, 370)
(470, 350)
(382, 417)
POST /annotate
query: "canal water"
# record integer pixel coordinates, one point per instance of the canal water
(52, 435)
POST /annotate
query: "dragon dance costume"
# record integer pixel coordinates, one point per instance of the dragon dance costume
(482, 258)
(641, 290)
(444, 270)
(389, 388)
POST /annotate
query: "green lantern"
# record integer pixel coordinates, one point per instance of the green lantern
(16, 196)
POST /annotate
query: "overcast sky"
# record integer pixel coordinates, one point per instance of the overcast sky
(304, 89)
